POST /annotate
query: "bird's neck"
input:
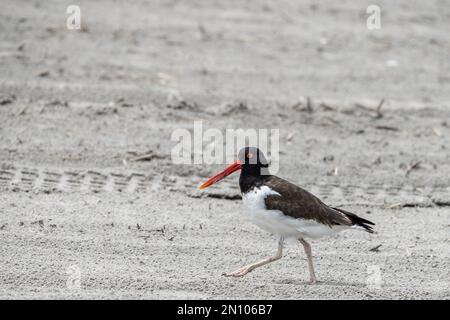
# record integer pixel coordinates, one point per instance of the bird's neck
(248, 181)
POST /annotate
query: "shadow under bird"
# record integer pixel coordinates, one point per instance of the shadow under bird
(284, 209)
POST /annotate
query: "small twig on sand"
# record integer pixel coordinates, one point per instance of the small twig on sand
(309, 107)
(376, 249)
(412, 166)
(394, 206)
(149, 156)
(327, 107)
(437, 132)
(162, 229)
(333, 172)
(146, 157)
(336, 170)
(378, 109)
(387, 128)
(331, 120)
(22, 111)
(290, 136)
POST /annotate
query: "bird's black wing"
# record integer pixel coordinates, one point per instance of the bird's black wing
(298, 203)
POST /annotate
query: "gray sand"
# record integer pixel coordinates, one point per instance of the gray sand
(80, 219)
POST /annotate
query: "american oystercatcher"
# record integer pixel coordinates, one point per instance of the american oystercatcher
(284, 209)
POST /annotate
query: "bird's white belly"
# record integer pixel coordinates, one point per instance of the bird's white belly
(274, 221)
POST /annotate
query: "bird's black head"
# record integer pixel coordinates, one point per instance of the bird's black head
(253, 162)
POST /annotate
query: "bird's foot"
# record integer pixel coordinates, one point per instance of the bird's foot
(312, 281)
(239, 272)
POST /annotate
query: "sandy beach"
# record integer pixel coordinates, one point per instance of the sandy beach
(92, 205)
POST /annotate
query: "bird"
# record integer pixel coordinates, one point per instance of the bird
(284, 209)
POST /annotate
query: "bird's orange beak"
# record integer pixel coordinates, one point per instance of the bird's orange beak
(222, 174)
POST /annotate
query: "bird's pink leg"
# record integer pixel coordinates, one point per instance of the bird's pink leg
(308, 252)
(244, 270)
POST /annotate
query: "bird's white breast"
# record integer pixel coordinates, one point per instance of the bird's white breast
(274, 221)
(254, 199)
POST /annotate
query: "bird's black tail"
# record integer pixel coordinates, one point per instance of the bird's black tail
(358, 221)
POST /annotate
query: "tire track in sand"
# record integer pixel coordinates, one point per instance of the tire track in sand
(52, 180)
(25, 179)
